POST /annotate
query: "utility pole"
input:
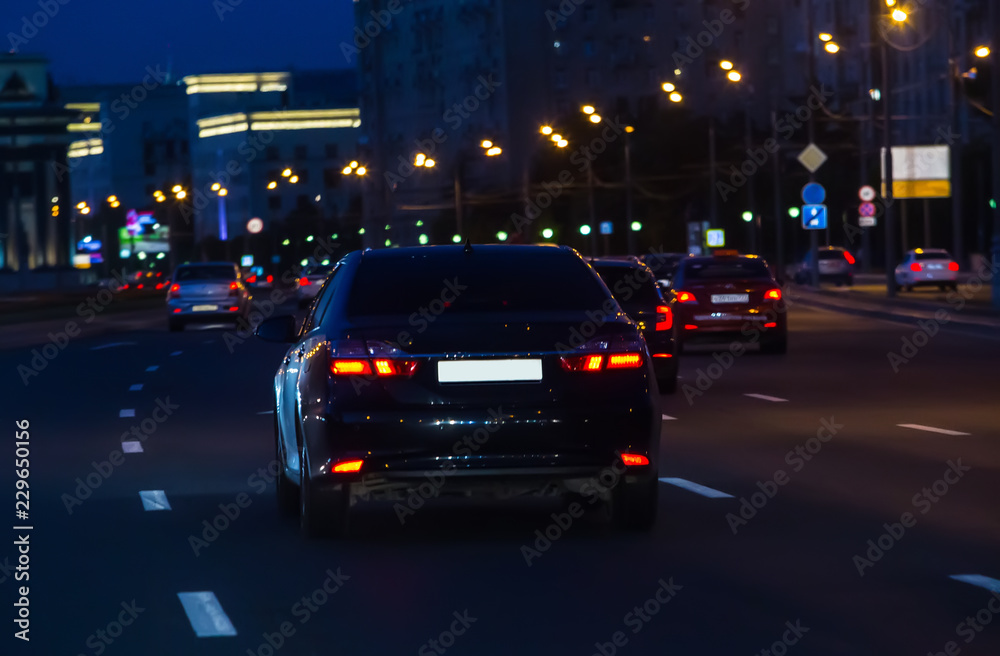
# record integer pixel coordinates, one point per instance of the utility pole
(887, 218)
(628, 192)
(713, 203)
(955, 149)
(593, 209)
(995, 97)
(779, 216)
(813, 236)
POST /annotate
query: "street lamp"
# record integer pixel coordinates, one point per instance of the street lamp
(831, 48)
(982, 52)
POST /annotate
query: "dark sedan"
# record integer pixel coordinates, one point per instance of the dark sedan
(635, 288)
(501, 370)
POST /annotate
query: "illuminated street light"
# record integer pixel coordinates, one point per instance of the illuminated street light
(588, 109)
(176, 188)
(824, 36)
(354, 164)
(734, 76)
(216, 186)
(286, 173)
(85, 210)
(181, 195)
(556, 137)
(112, 199)
(429, 163)
(420, 159)
(890, 3)
(726, 65)
(562, 143)
(81, 205)
(486, 143)
(832, 48)
(160, 199)
(545, 129)
(347, 170)
(223, 192)
(898, 15)
(361, 170)
(676, 97)
(494, 151)
(293, 179)
(114, 204)
(982, 51)
(595, 118)
(668, 87)
(272, 184)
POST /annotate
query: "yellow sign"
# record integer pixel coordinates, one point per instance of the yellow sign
(919, 189)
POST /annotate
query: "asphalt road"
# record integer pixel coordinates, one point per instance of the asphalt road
(105, 574)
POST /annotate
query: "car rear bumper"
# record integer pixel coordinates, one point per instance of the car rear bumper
(185, 310)
(929, 278)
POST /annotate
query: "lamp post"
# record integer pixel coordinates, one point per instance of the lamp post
(899, 16)
(995, 98)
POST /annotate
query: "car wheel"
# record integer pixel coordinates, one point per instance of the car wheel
(776, 347)
(174, 325)
(633, 505)
(322, 512)
(288, 493)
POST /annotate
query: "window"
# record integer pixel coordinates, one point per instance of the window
(331, 151)
(322, 302)
(303, 176)
(302, 152)
(169, 148)
(331, 178)
(272, 154)
(148, 150)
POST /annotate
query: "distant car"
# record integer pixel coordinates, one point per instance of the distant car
(635, 289)
(309, 282)
(206, 292)
(926, 267)
(836, 264)
(506, 386)
(257, 278)
(730, 297)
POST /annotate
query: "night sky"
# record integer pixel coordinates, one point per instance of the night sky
(113, 41)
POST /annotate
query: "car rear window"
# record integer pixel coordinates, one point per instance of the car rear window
(205, 272)
(712, 270)
(485, 281)
(933, 255)
(630, 286)
(317, 270)
(831, 255)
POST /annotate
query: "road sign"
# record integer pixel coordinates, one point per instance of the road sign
(606, 227)
(813, 193)
(812, 158)
(866, 193)
(866, 209)
(254, 225)
(814, 217)
(866, 221)
(246, 260)
(715, 238)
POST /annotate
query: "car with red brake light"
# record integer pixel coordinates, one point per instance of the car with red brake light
(836, 265)
(728, 297)
(506, 370)
(206, 292)
(309, 281)
(927, 267)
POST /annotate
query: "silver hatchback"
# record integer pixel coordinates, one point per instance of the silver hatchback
(206, 292)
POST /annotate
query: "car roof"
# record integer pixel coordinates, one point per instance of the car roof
(702, 259)
(622, 263)
(451, 250)
(193, 264)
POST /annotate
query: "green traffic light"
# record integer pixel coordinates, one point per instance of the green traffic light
(636, 226)
(748, 216)
(793, 212)
(585, 230)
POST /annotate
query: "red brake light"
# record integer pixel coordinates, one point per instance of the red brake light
(175, 287)
(690, 326)
(342, 367)
(348, 466)
(953, 266)
(140, 285)
(252, 279)
(772, 295)
(624, 361)
(385, 367)
(582, 362)
(234, 285)
(234, 309)
(304, 282)
(270, 278)
(634, 459)
(916, 266)
(685, 297)
(359, 358)
(848, 257)
(668, 317)
(771, 324)
(177, 310)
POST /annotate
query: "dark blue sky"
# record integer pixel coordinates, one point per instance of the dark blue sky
(97, 41)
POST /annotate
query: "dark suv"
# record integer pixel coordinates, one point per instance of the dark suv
(634, 286)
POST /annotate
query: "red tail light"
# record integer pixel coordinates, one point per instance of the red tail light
(772, 295)
(234, 309)
(771, 324)
(690, 326)
(125, 286)
(140, 286)
(175, 291)
(667, 322)
(634, 459)
(624, 361)
(348, 466)
(613, 353)
(270, 278)
(848, 257)
(686, 297)
(357, 358)
(234, 288)
(304, 282)
(159, 285)
(953, 266)
(252, 279)
(177, 310)
(916, 266)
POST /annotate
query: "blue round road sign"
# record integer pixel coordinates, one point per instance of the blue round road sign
(813, 194)
(866, 209)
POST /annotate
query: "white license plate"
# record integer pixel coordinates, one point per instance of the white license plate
(730, 298)
(935, 266)
(490, 371)
(205, 308)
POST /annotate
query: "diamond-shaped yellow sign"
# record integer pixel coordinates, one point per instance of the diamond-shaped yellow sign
(812, 158)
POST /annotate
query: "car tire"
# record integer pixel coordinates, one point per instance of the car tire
(323, 513)
(174, 326)
(633, 505)
(775, 347)
(288, 492)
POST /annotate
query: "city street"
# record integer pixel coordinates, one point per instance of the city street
(841, 520)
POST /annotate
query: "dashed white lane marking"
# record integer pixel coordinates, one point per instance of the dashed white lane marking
(932, 429)
(176, 352)
(765, 397)
(206, 615)
(126, 412)
(111, 345)
(993, 585)
(152, 368)
(697, 489)
(667, 418)
(132, 446)
(135, 388)
(154, 500)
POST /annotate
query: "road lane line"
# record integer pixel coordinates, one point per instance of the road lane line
(152, 368)
(154, 500)
(205, 614)
(126, 412)
(993, 585)
(765, 397)
(266, 412)
(111, 345)
(668, 418)
(932, 429)
(697, 489)
(135, 388)
(132, 446)
(176, 352)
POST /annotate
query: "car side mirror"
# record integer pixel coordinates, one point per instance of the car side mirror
(277, 329)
